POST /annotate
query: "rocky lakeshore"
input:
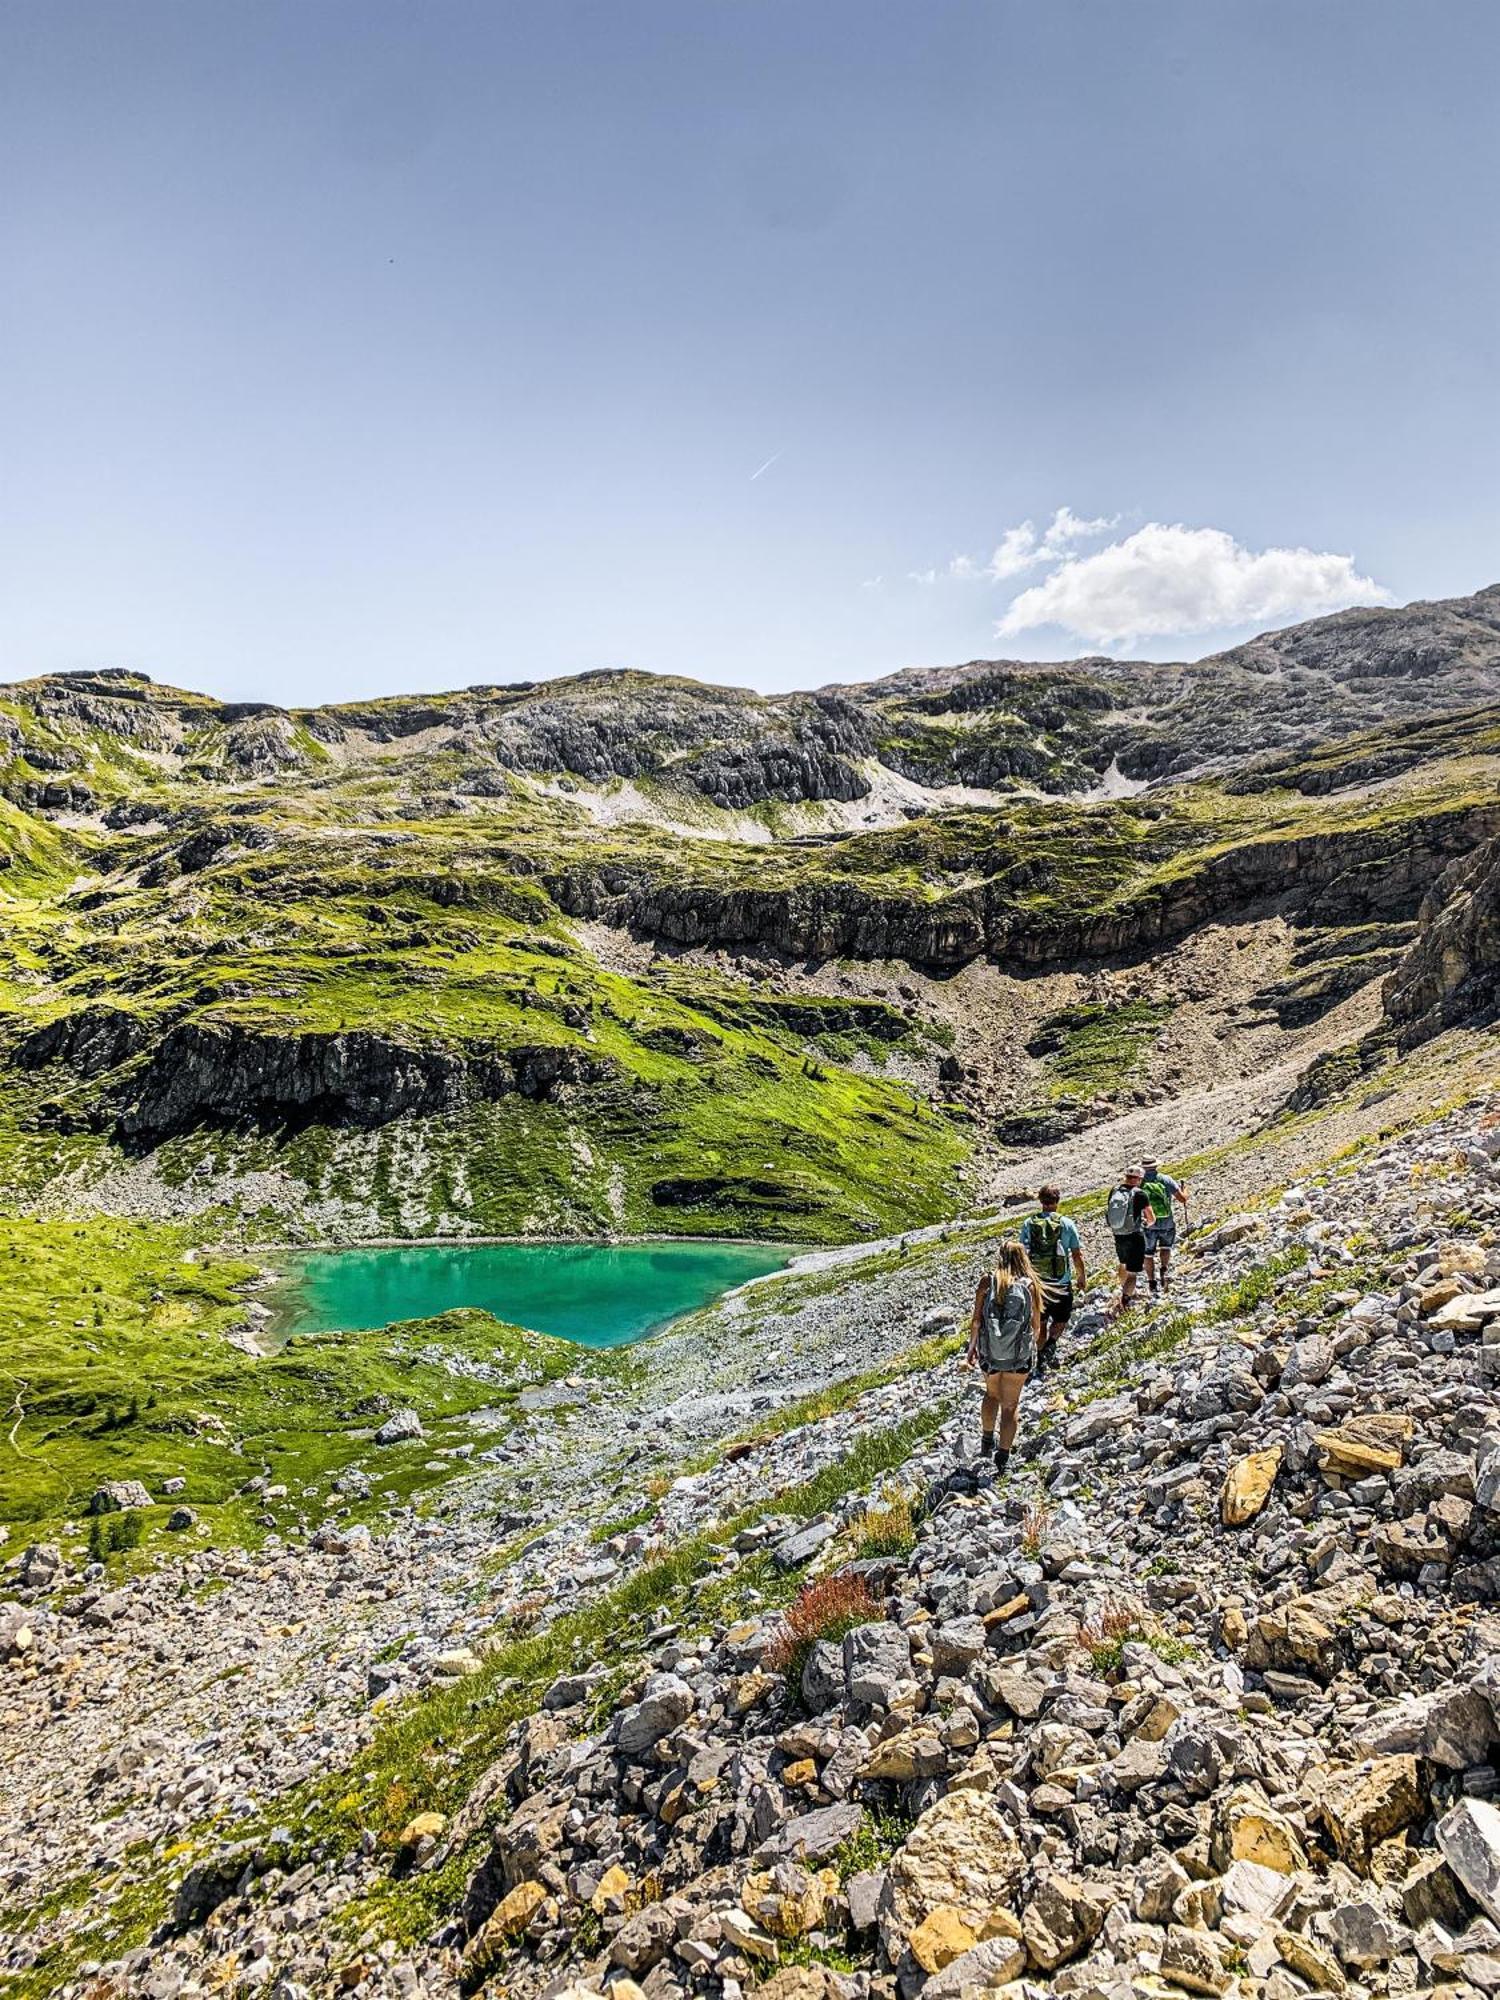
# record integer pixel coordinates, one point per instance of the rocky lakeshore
(1201, 1700)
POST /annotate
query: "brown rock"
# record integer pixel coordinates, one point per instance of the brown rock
(612, 1897)
(1374, 1442)
(943, 1935)
(793, 1982)
(786, 1900)
(1247, 1828)
(1367, 1803)
(1189, 1960)
(913, 1753)
(1247, 1486)
(1311, 1962)
(1061, 1921)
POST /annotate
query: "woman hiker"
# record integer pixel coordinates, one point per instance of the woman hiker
(1003, 1334)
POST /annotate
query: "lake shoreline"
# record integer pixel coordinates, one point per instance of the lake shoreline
(593, 1292)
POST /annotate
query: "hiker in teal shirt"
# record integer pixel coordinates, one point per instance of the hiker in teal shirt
(1052, 1242)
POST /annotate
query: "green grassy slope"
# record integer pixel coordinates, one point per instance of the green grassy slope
(383, 897)
(114, 1365)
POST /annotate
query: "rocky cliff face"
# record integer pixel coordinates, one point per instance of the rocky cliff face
(1451, 974)
(211, 1072)
(1339, 878)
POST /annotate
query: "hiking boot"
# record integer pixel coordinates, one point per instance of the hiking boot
(1002, 1461)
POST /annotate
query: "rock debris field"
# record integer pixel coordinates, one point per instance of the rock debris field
(1204, 1698)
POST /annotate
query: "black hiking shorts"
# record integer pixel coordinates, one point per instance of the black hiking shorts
(1057, 1304)
(1131, 1250)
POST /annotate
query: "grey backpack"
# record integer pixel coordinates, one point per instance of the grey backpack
(1120, 1214)
(1011, 1309)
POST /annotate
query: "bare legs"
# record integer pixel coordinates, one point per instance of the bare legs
(1002, 1401)
(1127, 1287)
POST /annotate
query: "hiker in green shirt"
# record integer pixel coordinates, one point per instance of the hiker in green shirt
(1161, 1191)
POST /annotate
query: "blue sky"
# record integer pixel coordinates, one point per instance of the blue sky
(353, 348)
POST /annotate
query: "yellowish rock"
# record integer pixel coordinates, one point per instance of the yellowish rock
(516, 1910)
(943, 1935)
(1233, 1630)
(802, 1775)
(1310, 1961)
(913, 1753)
(424, 1826)
(1461, 1260)
(1366, 1804)
(1157, 1720)
(490, 1945)
(613, 1893)
(742, 1933)
(962, 1854)
(1374, 1442)
(999, 1924)
(1249, 1829)
(749, 1691)
(1247, 1486)
(1439, 1295)
(788, 1902)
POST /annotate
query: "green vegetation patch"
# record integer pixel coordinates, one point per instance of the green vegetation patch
(1093, 1047)
(116, 1365)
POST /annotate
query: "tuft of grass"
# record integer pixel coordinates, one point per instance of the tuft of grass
(1117, 1625)
(1105, 1635)
(888, 1530)
(1241, 1297)
(1036, 1519)
(878, 1838)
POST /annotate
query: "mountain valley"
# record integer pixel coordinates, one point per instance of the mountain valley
(340, 1667)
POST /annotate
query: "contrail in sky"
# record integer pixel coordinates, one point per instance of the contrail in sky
(768, 464)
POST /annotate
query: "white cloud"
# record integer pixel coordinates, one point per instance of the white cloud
(1066, 528)
(1178, 579)
(1017, 551)
(1022, 548)
(922, 576)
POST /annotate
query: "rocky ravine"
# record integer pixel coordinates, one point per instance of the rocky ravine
(1203, 1700)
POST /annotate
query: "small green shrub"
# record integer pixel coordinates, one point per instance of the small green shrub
(112, 1534)
(887, 1531)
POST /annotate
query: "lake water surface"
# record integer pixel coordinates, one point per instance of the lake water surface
(599, 1294)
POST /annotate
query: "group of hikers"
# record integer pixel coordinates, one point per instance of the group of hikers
(1023, 1304)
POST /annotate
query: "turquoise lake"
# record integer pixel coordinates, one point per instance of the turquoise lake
(598, 1294)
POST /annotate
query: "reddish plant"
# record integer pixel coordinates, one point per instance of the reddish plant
(824, 1609)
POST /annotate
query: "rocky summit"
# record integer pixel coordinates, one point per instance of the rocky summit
(447, 1657)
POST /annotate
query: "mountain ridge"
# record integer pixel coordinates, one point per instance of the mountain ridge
(1053, 728)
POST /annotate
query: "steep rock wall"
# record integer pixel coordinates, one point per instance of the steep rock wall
(1451, 973)
(1338, 877)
